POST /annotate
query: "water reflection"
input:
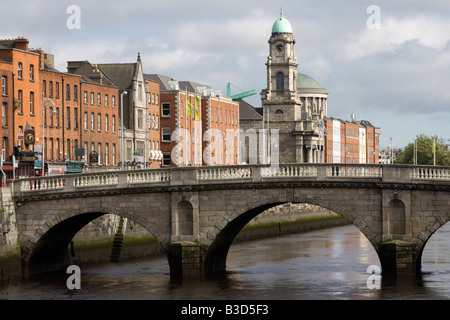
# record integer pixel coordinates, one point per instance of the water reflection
(324, 264)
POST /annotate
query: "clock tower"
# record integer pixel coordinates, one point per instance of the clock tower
(290, 104)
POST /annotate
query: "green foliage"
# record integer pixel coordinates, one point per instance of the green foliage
(425, 152)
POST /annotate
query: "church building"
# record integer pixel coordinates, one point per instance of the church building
(293, 103)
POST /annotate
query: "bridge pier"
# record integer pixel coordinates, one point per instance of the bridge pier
(186, 259)
(397, 257)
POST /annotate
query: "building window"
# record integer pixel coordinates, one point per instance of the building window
(166, 109)
(99, 99)
(75, 118)
(67, 91)
(140, 119)
(32, 102)
(19, 70)
(280, 81)
(68, 118)
(92, 98)
(92, 122)
(57, 117)
(51, 116)
(44, 88)
(19, 101)
(58, 153)
(31, 72)
(106, 123)
(114, 123)
(4, 113)
(114, 154)
(129, 150)
(57, 90)
(99, 153)
(68, 149)
(107, 154)
(85, 97)
(166, 159)
(50, 89)
(75, 92)
(279, 111)
(99, 122)
(4, 86)
(85, 120)
(106, 100)
(114, 101)
(166, 134)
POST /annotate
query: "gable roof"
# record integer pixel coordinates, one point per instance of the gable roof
(248, 112)
(121, 74)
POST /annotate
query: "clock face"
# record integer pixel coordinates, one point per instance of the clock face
(280, 47)
(29, 138)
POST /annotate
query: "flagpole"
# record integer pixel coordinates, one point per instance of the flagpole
(434, 151)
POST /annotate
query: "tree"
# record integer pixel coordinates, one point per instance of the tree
(425, 153)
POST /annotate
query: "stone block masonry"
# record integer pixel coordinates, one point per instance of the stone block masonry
(10, 259)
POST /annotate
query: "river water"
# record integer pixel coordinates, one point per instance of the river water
(326, 264)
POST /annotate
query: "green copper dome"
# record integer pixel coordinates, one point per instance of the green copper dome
(304, 81)
(282, 25)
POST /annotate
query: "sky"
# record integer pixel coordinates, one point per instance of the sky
(387, 61)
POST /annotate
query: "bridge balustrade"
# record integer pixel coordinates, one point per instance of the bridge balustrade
(354, 171)
(94, 180)
(149, 176)
(220, 173)
(255, 173)
(430, 173)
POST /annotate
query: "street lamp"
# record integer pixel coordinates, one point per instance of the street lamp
(47, 103)
(121, 129)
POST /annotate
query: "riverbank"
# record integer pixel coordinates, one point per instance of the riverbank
(305, 223)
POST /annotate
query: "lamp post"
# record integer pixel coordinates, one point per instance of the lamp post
(47, 103)
(122, 156)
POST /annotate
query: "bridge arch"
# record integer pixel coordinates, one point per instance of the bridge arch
(229, 226)
(425, 235)
(46, 250)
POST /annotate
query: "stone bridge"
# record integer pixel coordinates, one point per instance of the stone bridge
(195, 213)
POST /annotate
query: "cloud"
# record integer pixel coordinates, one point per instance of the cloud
(428, 31)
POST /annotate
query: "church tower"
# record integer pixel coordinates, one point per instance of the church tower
(293, 103)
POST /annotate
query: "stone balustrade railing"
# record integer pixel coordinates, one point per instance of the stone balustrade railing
(430, 173)
(227, 172)
(96, 180)
(149, 176)
(240, 173)
(354, 171)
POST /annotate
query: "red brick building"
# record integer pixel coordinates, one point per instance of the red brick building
(48, 109)
(190, 114)
(351, 141)
(221, 119)
(7, 109)
(154, 136)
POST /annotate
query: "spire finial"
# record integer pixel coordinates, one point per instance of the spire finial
(281, 12)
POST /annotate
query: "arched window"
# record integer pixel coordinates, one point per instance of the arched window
(279, 111)
(280, 81)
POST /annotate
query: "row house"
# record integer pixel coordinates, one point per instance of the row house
(54, 119)
(198, 125)
(351, 141)
(138, 102)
